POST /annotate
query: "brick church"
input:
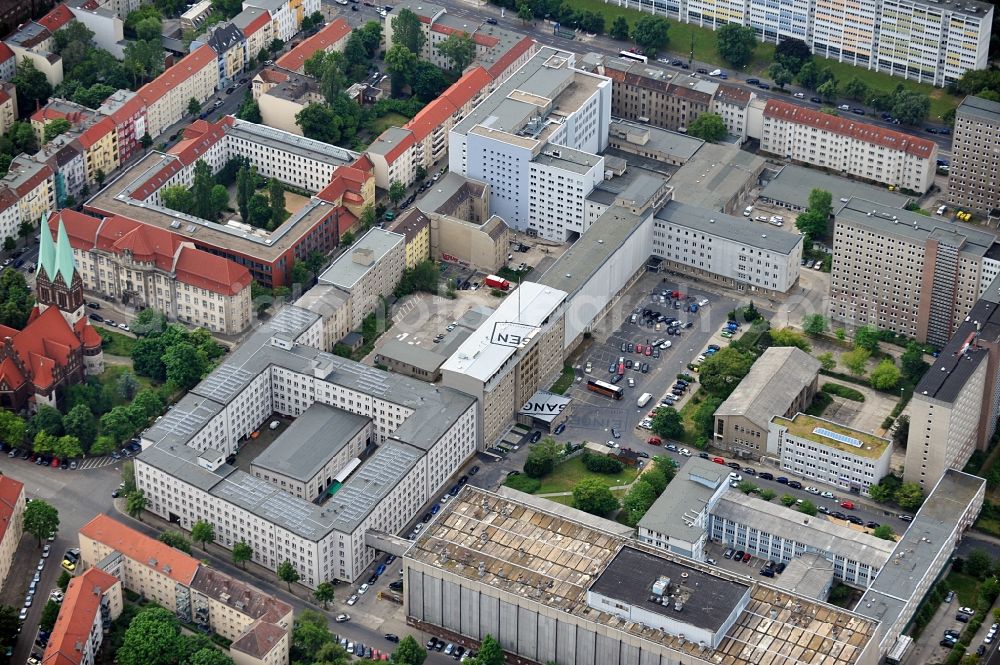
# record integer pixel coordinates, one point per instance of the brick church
(58, 347)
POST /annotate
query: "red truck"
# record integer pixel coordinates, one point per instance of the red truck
(495, 282)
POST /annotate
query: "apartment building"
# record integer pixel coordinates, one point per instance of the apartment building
(255, 24)
(972, 179)
(286, 98)
(92, 601)
(100, 150)
(196, 593)
(128, 112)
(11, 525)
(368, 272)
(516, 351)
(8, 105)
(416, 228)
(286, 15)
(166, 97)
(783, 380)
(344, 185)
(423, 141)
(827, 452)
(536, 141)
(725, 249)
(422, 433)
(331, 38)
(463, 229)
(33, 41)
(849, 147)
(65, 156)
(230, 47)
(32, 186)
(8, 62)
(143, 266)
(905, 272)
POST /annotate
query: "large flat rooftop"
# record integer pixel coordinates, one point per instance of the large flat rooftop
(834, 435)
(793, 183)
(348, 269)
(712, 222)
(714, 174)
(532, 552)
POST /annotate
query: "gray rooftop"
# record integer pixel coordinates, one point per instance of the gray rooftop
(792, 184)
(820, 533)
(774, 381)
(714, 175)
(736, 229)
(935, 527)
(808, 575)
(631, 574)
(311, 441)
(684, 499)
(428, 360)
(635, 186)
(914, 227)
(948, 376)
(345, 271)
(568, 159)
(977, 107)
(246, 17)
(649, 138)
(448, 190)
(292, 143)
(388, 140)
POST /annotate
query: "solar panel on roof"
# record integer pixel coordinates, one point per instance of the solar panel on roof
(837, 436)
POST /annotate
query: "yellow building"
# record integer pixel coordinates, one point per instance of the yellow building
(255, 24)
(8, 106)
(100, 145)
(417, 228)
(11, 509)
(33, 184)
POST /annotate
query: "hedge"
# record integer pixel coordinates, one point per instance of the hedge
(843, 391)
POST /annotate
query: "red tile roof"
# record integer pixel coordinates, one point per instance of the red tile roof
(142, 549)
(57, 18)
(188, 65)
(96, 132)
(511, 56)
(10, 494)
(272, 76)
(53, 112)
(430, 117)
(8, 198)
(401, 146)
(79, 610)
(47, 341)
(258, 23)
(260, 639)
(861, 131)
(81, 229)
(39, 176)
(4, 97)
(128, 110)
(363, 163)
(211, 272)
(5, 52)
(322, 41)
(472, 83)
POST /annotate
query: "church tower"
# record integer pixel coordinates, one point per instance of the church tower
(57, 281)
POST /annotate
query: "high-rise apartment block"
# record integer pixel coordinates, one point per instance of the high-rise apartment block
(974, 179)
(905, 272)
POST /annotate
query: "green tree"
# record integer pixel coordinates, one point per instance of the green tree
(46, 419)
(63, 581)
(287, 573)
(324, 594)
(149, 29)
(209, 656)
(787, 500)
(300, 273)
(619, 28)
(650, 33)
(185, 365)
(867, 338)
(203, 533)
(541, 458)
(856, 89)
(127, 385)
(808, 507)
(9, 244)
(409, 652)
(460, 49)
(901, 433)
(401, 63)
(54, 128)
(780, 74)
(667, 422)
(397, 191)
(177, 540)
(735, 43)
(912, 362)
(978, 563)
(808, 75)
(49, 614)
(708, 127)
(406, 30)
(68, 447)
(149, 321)
(259, 209)
(788, 337)
(149, 403)
(637, 501)
(16, 301)
(242, 552)
(909, 496)
(152, 638)
(592, 496)
(910, 107)
(814, 324)
(12, 428)
(136, 503)
(276, 199)
(723, 371)
(201, 190)
(792, 54)
(244, 190)
(856, 361)
(885, 532)
(219, 197)
(815, 219)
(885, 376)
(249, 110)
(33, 89)
(10, 625)
(177, 197)
(827, 361)
(828, 90)
(317, 121)
(40, 519)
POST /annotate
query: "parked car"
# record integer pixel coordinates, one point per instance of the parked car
(849, 505)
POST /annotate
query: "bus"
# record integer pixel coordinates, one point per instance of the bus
(606, 389)
(629, 55)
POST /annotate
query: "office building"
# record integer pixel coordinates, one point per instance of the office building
(368, 272)
(972, 179)
(817, 449)
(92, 601)
(516, 351)
(908, 273)
(849, 147)
(583, 595)
(198, 594)
(144, 266)
(419, 435)
(535, 140)
(783, 380)
(791, 185)
(11, 524)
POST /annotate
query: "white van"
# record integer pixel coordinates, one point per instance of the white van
(643, 400)
(747, 211)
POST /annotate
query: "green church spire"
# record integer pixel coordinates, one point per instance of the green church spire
(46, 250)
(64, 255)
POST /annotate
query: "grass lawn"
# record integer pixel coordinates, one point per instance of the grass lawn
(685, 36)
(568, 501)
(564, 381)
(965, 587)
(379, 125)
(113, 372)
(569, 473)
(687, 415)
(118, 344)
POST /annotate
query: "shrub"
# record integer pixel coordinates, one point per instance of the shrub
(843, 391)
(601, 463)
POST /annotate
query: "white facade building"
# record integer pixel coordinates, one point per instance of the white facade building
(537, 136)
(368, 272)
(847, 146)
(845, 458)
(286, 15)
